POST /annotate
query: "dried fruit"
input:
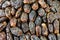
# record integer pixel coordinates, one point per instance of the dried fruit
(38, 30)
(32, 15)
(56, 26)
(50, 27)
(13, 22)
(8, 12)
(27, 8)
(44, 29)
(35, 6)
(24, 17)
(16, 3)
(29, 19)
(16, 31)
(5, 4)
(32, 27)
(42, 3)
(41, 12)
(38, 20)
(25, 27)
(50, 17)
(2, 36)
(51, 37)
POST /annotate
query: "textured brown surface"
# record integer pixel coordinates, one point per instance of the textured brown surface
(29, 20)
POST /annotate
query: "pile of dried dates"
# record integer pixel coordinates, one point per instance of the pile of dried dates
(29, 20)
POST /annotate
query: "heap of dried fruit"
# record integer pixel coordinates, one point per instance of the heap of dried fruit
(29, 20)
